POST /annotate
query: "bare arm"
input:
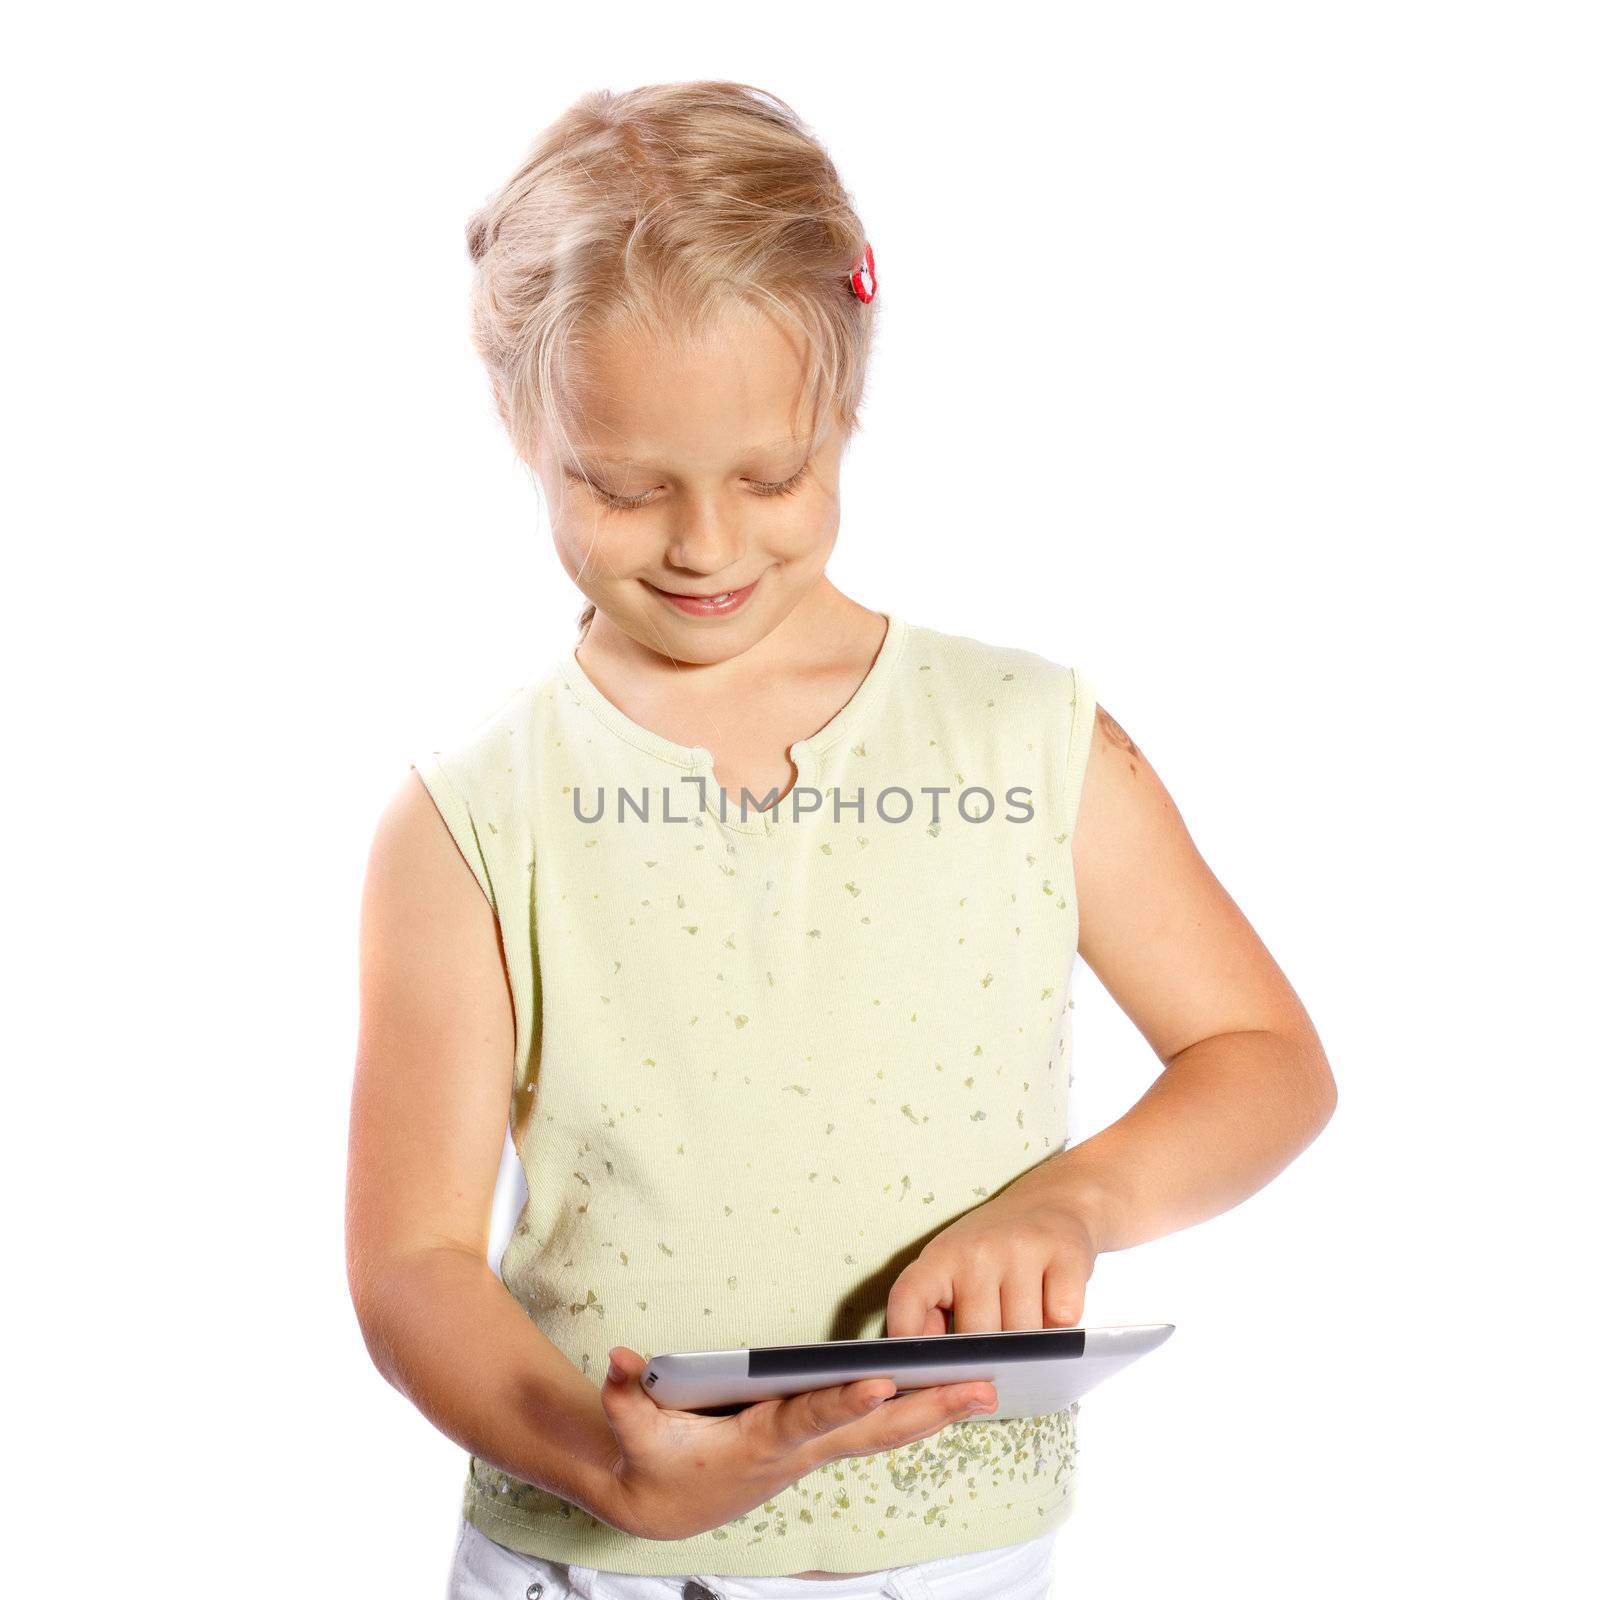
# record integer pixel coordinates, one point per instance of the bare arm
(432, 1100)
(1245, 1086)
(428, 1118)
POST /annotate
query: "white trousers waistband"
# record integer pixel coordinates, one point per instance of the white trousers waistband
(485, 1570)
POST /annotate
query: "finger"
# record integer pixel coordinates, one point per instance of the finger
(797, 1421)
(1063, 1295)
(918, 1293)
(916, 1414)
(977, 1302)
(1022, 1299)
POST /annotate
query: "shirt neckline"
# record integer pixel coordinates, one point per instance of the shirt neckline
(697, 758)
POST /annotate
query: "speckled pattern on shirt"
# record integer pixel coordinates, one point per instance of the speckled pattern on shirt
(761, 1062)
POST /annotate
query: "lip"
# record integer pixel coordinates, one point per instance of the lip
(703, 605)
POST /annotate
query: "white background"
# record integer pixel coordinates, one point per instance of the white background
(1243, 354)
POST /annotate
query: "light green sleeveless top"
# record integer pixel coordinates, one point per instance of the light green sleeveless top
(762, 1060)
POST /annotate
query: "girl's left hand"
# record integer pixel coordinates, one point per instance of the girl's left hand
(1018, 1261)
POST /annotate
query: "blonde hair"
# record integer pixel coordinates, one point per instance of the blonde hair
(656, 211)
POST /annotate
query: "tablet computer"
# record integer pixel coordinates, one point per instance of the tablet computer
(1034, 1371)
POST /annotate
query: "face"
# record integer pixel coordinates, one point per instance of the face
(706, 479)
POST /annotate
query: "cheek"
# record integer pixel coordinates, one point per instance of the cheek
(801, 529)
(597, 548)
(808, 536)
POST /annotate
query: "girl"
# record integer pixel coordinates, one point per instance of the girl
(755, 914)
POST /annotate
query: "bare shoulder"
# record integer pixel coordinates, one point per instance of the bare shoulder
(1111, 733)
(430, 945)
(1125, 808)
(1160, 931)
(415, 859)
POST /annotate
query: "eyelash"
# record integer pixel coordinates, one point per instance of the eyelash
(767, 491)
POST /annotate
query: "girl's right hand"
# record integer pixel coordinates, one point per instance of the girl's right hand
(677, 1473)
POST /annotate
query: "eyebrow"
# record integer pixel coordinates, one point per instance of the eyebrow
(755, 449)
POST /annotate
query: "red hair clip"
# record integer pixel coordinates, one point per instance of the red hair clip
(864, 280)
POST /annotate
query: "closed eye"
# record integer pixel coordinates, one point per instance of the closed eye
(633, 502)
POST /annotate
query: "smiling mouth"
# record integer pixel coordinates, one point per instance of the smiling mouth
(722, 603)
(681, 594)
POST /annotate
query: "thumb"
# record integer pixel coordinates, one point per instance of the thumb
(621, 1394)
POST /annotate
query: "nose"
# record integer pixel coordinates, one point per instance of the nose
(705, 538)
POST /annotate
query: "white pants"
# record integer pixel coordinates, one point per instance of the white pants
(485, 1570)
